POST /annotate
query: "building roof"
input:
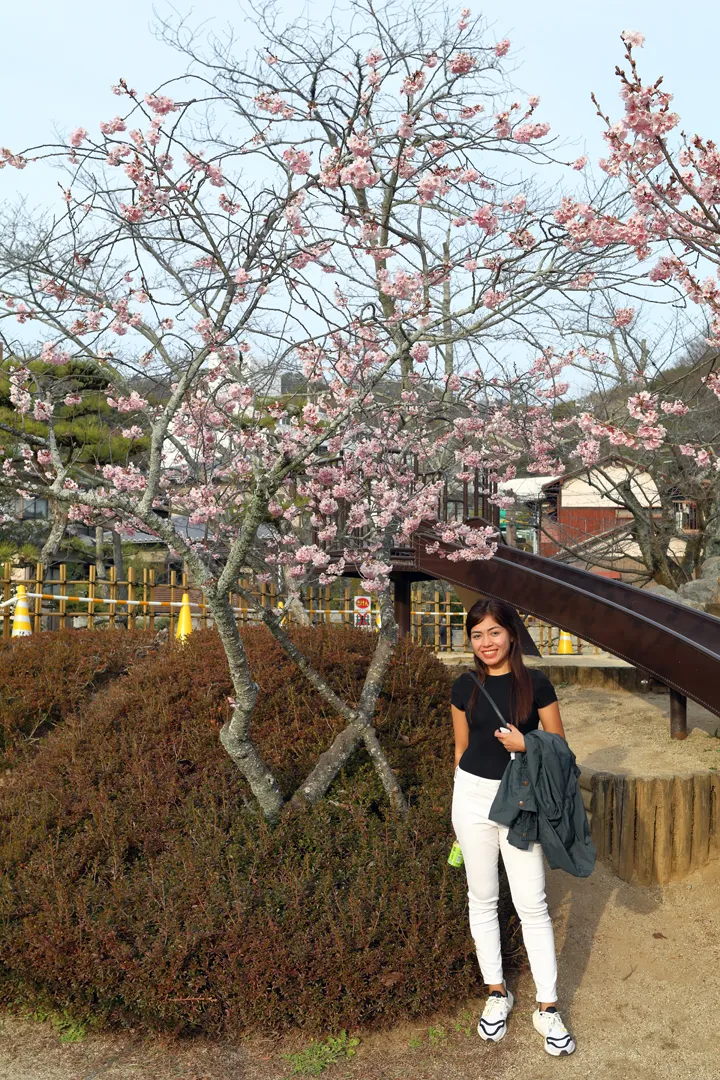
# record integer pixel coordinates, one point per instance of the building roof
(526, 488)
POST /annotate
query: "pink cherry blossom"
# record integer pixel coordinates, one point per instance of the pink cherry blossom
(431, 187)
(298, 161)
(503, 47)
(486, 220)
(462, 64)
(623, 316)
(493, 298)
(527, 132)
(634, 38)
(359, 174)
(110, 127)
(43, 410)
(413, 84)
(132, 403)
(160, 105)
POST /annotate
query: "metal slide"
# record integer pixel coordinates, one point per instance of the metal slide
(671, 642)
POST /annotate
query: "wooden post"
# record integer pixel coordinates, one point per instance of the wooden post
(173, 583)
(112, 578)
(437, 619)
(63, 593)
(7, 588)
(678, 715)
(151, 609)
(402, 606)
(145, 597)
(132, 608)
(347, 618)
(91, 595)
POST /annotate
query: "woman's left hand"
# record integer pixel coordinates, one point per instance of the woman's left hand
(513, 741)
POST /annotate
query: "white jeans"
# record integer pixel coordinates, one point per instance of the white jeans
(481, 840)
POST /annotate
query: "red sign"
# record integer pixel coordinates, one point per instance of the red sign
(362, 603)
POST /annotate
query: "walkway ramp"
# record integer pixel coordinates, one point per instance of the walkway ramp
(671, 642)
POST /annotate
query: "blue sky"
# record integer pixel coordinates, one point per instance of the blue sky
(59, 61)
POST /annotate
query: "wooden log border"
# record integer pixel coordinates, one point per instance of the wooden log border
(653, 830)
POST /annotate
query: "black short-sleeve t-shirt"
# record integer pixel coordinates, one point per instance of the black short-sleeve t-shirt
(485, 755)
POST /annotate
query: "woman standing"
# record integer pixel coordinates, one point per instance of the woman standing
(526, 699)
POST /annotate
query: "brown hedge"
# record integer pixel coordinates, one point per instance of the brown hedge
(45, 678)
(138, 886)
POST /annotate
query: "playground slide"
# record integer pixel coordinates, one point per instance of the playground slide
(671, 642)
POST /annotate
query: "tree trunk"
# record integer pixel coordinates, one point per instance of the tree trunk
(100, 573)
(57, 531)
(360, 728)
(234, 735)
(447, 318)
(293, 604)
(511, 527)
(712, 537)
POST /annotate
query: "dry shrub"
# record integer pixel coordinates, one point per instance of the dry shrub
(137, 887)
(44, 678)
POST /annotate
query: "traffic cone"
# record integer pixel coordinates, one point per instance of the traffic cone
(565, 644)
(21, 616)
(183, 630)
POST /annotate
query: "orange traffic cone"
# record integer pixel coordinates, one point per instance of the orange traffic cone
(21, 616)
(183, 630)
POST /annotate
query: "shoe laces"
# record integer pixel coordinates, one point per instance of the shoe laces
(554, 1024)
(494, 1005)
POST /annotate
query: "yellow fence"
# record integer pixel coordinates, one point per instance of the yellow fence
(59, 602)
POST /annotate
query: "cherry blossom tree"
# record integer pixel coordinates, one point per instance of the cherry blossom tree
(663, 422)
(351, 204)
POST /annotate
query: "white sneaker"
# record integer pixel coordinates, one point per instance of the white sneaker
(493, 1022)
(558, 1040)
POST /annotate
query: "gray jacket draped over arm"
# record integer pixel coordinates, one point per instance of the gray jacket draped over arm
(539, 800)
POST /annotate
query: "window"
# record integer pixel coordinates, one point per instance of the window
(685, 515)
(32, 509)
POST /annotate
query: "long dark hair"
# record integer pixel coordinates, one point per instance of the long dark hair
(521, 686)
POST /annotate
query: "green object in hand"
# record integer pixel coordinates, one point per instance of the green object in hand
(455, 858)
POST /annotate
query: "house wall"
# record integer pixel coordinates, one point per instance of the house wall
(576, 491)
(587, 509)
(576, 524)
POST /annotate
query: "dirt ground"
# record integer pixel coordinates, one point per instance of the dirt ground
(630, 733)
(639, 970)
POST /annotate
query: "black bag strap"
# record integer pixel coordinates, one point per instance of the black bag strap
(503, 721)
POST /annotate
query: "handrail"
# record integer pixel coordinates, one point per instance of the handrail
(677, 645)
